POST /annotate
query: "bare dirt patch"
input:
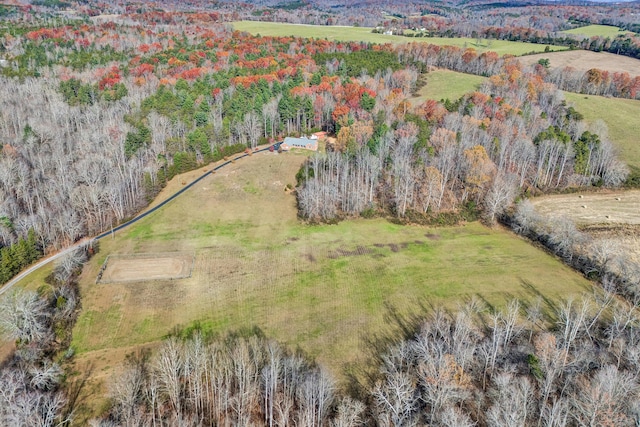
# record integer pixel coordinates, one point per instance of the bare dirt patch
(144, 267)
(584, 60)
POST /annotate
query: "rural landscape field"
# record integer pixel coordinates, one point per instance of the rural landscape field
(322, 288)
(303, 213)
(362, 34)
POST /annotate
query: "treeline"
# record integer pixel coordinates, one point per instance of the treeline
(236, 380)
(17, 256)
(33, 377)
(548, 365)
(514, 135)
(597, 259)
(533, 363)
(593, 81)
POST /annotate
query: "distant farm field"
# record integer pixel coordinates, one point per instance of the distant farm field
(322, 288)
(622, 117)
(597, 30)
(613, 216)
(443, 84)
(364, 34)
(584, 60)
(609, 207)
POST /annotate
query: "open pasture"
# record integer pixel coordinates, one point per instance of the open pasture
(364, 34)
(620, 116)
(584, 60)
(611, 216)
(321, 288)
(443, 84)
(596, 30)
(610, 207)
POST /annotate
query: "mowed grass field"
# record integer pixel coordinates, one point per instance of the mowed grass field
(443, 84)
(596, 30)
(611, 216)
(621, 117)
(584, 60)
(320, 288)
(364, 34)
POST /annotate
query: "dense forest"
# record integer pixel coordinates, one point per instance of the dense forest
(96, 117)
(515, 134)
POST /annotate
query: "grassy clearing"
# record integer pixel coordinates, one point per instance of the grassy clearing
(620, 116)
(320, 288)
(586, 209)
(608, 216)
(596, 30)
(584, 60)
(364, 34)
(443, 84)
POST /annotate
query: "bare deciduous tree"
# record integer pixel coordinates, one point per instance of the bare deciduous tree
(24, 316)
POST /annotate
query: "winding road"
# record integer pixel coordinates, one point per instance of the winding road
(84, 241)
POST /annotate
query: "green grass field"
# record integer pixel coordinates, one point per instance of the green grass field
(443, 84)
(364, 34)
(596, 30)
(321, 288)
(621, 117)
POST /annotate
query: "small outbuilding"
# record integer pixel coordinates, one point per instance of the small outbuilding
(320, 136)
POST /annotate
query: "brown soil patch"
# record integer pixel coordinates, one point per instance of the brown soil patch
(143, 267)
(584, 60)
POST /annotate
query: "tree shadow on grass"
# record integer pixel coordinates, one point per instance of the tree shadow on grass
(549, 307)
(80, 391)
(401, 324)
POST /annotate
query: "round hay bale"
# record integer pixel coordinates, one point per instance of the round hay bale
(584, 206)
(618, 198)
(581, 196)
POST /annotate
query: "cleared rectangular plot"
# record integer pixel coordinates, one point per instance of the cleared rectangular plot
(143, 267)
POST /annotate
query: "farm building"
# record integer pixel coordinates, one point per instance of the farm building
(319, 135)
(304, 143)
